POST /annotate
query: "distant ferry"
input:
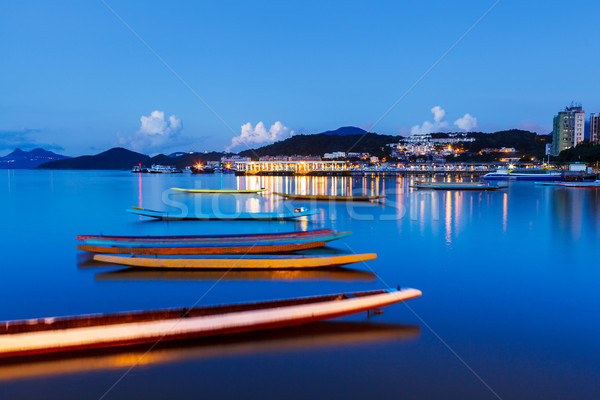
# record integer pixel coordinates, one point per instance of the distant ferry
(536, 174)
(139, 168)
(164, 169)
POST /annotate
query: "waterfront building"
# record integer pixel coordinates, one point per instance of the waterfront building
(334, 155)
(568, 128)
(290, 166)
(595, 128)
(233, 159)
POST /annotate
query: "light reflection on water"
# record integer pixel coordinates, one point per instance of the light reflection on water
(510, 280)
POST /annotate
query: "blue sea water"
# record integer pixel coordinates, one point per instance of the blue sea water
(509, 310)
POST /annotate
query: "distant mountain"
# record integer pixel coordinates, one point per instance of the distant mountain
(123, 159)
(117, 158)
(20, 159)
(345, 130)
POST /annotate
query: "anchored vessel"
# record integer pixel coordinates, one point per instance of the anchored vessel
(328, 198)
(47, 335)
(220, 191)
(236, 216)
(243, 262)
(535, 174)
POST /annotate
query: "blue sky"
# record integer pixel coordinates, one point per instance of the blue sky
(74, 78)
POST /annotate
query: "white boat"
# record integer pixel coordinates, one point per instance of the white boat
(532, 174)
(164, 169)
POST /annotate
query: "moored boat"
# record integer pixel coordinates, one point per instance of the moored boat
(328, 198)
(586, 185)
(235, 216)
(164, 169)
(233, 241)
(535, 174)
(219, 191)
(51, 335)
(251, 236)
(261, 248)
(457, 187)
(242, 262)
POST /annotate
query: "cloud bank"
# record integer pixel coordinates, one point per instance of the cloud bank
(155, 132)
(259, 135)
(466, 123)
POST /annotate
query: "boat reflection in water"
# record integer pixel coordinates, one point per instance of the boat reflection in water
(328, 274)
(300, 338)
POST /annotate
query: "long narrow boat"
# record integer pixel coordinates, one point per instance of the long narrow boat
(328, 198)
(235, 216)
(264, 248)
(47, 335)
(252, 236)
(586, 185)
(542, 183)
(458, 187)
(219, 191)
(219, 242)
(246, 262)
(449, 183)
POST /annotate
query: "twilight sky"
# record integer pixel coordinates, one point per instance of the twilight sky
(74, 78)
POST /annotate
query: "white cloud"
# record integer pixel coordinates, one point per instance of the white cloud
(438, 113)
(155, 132)
(437, 125)
(259, 134)
(466, 123)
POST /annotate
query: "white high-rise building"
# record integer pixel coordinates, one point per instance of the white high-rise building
(595, 128)
(568, 128)
(579, 128)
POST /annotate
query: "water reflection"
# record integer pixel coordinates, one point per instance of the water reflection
(302, 338)
(331, 274)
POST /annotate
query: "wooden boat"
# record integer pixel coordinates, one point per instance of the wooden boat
(263, 248)
(220, 242)
(246, 262)
(250, 236)
(220, 191)
(328, 198)
(322, 234)
(47, 335)
(449, 183)
(235, 216)
(586, 185)
(458, 187)
(546, 183)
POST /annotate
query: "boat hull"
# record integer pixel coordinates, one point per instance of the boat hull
(273, 262)
(219, 191)
(239, 216)
(203, 250)
(328, 198)
(523, 177)
(20, 338)
(211, 237)
(460, 187)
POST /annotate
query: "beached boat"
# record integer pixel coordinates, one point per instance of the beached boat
(531, 174)
(242, 262)
(328, 198)
(235, 216)
(47, 335)
(457, 187)
(261, 248)
(219, 191)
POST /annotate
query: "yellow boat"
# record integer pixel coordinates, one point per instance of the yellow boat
(219, 191)
(248, 262)
(328, 198)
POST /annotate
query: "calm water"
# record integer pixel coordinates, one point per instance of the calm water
(510, 285)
